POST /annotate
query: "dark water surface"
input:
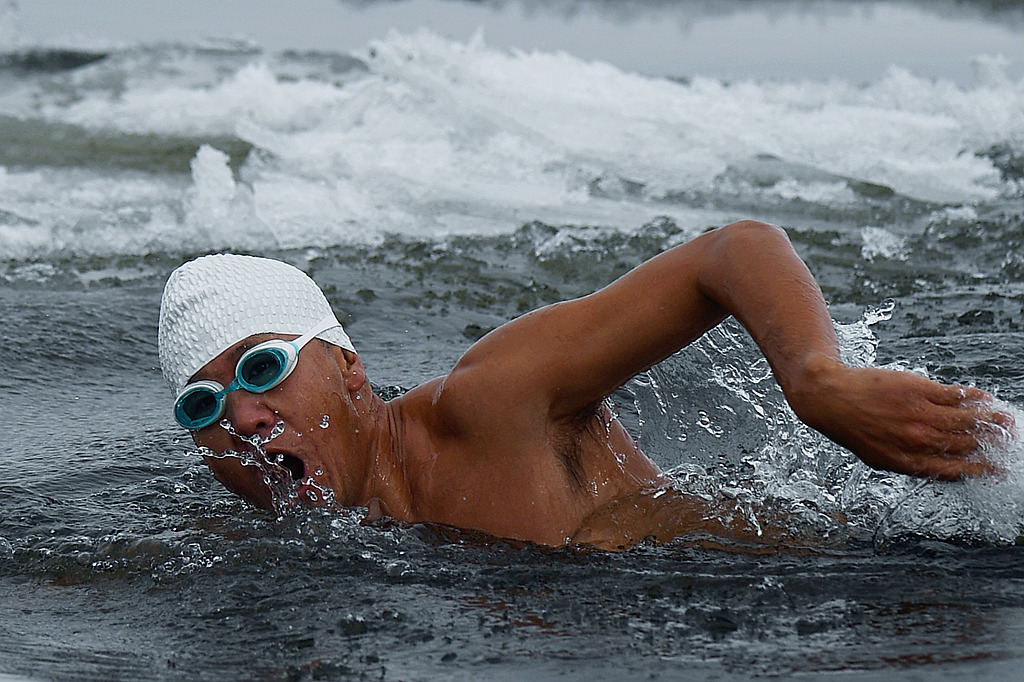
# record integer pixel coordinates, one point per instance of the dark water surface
(436, 189)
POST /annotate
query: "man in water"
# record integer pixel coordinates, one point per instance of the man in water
(517, 440)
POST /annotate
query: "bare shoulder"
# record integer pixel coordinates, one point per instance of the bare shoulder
(471, 403)
(489, 392)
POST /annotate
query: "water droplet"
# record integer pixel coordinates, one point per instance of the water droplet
(881, 313)
(705, 421)
(275, 432)
(283, 489)
(325, 421)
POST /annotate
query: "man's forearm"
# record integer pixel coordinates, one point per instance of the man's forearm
(897, 421)
(753, 273)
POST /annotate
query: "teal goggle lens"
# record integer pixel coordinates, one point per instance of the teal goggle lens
(258, 370)
(264, 367)
(200, 405)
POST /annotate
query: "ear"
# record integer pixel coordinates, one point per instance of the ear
(352, 370)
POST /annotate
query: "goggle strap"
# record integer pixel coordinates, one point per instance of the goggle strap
(323, 325)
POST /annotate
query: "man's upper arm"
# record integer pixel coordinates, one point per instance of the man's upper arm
(574, 353)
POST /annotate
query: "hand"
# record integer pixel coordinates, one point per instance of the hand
(902, 422)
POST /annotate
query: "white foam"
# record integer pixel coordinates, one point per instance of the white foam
(881, 243)
(982, 510)
(158, 106)
(441, 120)
(440, 137)
(75, 213)
(439, 128)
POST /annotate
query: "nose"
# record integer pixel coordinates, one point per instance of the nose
(249, 414)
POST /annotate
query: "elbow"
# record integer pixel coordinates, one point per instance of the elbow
(742, 250)
(748, 240)
(755, 232)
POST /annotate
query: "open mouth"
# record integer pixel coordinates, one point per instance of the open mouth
(294, 465)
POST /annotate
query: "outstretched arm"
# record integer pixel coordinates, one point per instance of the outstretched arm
(577, 352)
(896, 421)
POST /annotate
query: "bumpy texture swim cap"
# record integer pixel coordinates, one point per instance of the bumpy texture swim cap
(213, 302)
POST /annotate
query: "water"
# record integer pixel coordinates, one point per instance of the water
(436, 184)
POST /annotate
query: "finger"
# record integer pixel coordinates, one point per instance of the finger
(948, 468)
(943, 445)
(1005, 421)
(947, 418)
(991, 426)
(959, 455)
(955, 470)
(942, 394)
(970, 418)
(930, 442)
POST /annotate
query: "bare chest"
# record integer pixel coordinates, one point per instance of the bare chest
(537, 485)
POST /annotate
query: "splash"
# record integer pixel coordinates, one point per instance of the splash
(858, 345)
(716, 420)
(287, 494)
(881, 243)
(978, 511)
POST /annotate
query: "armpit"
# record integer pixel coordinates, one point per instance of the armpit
(592, 422)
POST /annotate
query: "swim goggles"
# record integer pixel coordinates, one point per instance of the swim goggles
(260, 369)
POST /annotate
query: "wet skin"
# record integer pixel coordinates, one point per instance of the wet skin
(308, 449)
(521, 490)
(516, 441)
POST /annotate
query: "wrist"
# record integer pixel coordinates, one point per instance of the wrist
(816, 379)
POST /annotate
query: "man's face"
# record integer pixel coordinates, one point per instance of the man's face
(301, 424)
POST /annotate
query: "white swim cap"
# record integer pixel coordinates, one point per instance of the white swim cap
(213, 302)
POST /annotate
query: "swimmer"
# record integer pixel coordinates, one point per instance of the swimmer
(517, 440)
